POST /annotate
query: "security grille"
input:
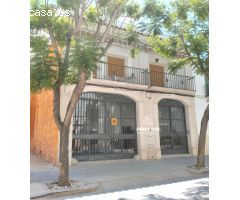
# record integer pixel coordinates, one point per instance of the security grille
(104, 127)
(173, 135)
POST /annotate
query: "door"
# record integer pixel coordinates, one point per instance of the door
(157, 75)
(115, 67)
(173, 134)
(104, 127)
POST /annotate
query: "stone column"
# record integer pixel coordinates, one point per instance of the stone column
(191, 123)
(147, 129)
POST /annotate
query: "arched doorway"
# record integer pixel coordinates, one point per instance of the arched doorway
(104, 127)
(172, 124)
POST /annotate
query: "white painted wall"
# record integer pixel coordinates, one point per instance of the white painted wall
(200, 99)
(200, 105)
(143, 60)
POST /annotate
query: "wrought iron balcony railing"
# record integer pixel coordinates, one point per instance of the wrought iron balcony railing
(134, 75)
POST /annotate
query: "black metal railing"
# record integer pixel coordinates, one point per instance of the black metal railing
(134, 75)
(172, 80)
(120, 73)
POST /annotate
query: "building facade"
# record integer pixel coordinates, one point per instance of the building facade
(130, 108)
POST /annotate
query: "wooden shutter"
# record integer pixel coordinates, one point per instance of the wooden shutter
(157, 75)
(115, 67)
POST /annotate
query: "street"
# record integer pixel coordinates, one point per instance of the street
(194, 190)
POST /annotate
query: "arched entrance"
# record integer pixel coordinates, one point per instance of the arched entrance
(104, 127)
(173, 134)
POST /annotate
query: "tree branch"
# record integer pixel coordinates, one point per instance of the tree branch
(200, 64)
(55, 46)
(79, 19)
(75, 97)
(121, 26)
(89, 3)
(113, 17)
(184, 45)
(97, 31)
(56, 108)
(107, 47)
(67, 52)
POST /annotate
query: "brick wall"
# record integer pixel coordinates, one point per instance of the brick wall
(43, 131)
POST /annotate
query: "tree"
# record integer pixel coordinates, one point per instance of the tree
(180, 32)
(62, 54)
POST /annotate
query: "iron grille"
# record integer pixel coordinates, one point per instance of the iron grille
(95, 137)
(173, 135)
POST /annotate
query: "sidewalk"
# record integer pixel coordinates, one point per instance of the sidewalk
(117, 175)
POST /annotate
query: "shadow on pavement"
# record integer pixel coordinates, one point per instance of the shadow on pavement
(199, 192)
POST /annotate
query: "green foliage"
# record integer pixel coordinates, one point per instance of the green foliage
(92, 14)
(153, 8)
(133, 10)
(132, 38)
(156, 12)
(201, 9)
(83, 56)
(43, 73)
(134, 52)
(50, 71)
(103, 3)
(165, 47)
(103, 11)
(183, 30)
(68, 5)
(36, 4)
(180, 9)
(175, 64)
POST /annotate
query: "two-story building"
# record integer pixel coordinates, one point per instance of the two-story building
(130, 108)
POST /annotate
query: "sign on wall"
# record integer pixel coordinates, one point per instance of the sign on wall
(114, 121)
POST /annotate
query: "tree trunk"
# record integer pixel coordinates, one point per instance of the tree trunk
(63, 179)
(202, 139)
(64, 127)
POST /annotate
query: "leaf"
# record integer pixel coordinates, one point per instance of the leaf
(43, 66)
(180, 28)
(177, 64)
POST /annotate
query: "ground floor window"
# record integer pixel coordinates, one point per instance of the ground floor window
(104, 127)
(173, 134)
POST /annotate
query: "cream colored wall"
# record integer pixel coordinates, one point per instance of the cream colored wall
(143, 60)
(147, 110)
(146, 57)
(147, 105)
(201, 103)
(146, 116)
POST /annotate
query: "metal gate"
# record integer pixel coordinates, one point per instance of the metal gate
(104, 127)
(173, 135)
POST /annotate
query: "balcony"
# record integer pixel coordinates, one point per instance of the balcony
(134, 75)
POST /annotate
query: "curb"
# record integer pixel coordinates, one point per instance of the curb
(198, 171)
(69, 191)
